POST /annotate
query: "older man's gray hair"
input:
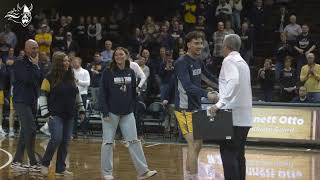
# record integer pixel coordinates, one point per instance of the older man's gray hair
(232, 42)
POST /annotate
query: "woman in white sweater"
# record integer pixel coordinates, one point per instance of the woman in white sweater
(139, 74)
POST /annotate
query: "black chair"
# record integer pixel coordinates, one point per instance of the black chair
(152, 120)
(94, 118)
(140, 111)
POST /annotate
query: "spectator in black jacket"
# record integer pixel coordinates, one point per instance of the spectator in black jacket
(166, 71)
(165, 38)
(70, 44)
(283, 50)
(288, 81)
(154, 79)
(266, 77)
(168, 102)
(303, 96)
(258, 19)
(80, 35)
(305, 44)
(58, 40)
(95, 69)
(25, 94)
(30, 33)
(246, 42)
(167, 90)
(118, 97)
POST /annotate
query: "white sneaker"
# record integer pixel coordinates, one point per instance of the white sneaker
(65, 173)
(108, 177)
(44, 170)
(35, 168)
(45, 131)
(19, 166)
(148, 174)
(11, 134)
(2, 132)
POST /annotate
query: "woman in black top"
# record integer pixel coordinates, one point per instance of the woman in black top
(59, 98)
(266, 76)
(288, 81)
(118, 96)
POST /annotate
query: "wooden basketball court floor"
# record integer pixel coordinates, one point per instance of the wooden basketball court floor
(169, 161)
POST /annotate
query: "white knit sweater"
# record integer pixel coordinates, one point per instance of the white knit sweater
(83, 78)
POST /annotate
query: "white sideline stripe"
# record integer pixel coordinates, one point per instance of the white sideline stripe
(10, 158)
(151, 145)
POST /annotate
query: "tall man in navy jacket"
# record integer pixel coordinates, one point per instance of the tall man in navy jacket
(25, 94)
(188, 72)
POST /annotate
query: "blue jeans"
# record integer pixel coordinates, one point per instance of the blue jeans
(163, 89)
(61, 131)
(128, 128)
(267, 95)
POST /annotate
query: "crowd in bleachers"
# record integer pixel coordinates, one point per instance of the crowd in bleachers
(155, 44)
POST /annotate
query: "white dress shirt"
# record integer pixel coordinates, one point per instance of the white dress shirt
(235, 89)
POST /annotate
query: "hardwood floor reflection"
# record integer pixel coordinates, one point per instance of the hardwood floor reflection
(169, 161)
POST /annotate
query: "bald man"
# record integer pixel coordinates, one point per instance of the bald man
(25, 94)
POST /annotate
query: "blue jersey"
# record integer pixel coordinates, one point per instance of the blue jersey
(188, 83)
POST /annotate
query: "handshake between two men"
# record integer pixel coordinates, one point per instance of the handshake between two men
(213, 96)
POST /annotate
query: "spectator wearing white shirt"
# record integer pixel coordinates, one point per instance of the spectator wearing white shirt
(82, 78)
(108, 52)
(235, 93)
(292, 30)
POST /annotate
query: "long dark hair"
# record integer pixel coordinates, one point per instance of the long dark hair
(113, 64)
(58, 73)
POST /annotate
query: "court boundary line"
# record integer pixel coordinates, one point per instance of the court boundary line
(9, 161)
(151, 145)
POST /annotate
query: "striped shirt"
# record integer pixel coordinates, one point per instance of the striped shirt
(218, 38)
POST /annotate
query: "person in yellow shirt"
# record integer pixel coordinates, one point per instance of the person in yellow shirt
(310, 76)
(44, 39)
(190, 8)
